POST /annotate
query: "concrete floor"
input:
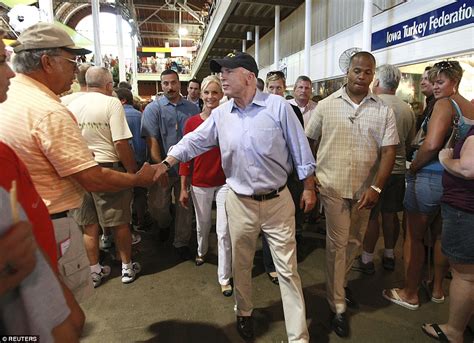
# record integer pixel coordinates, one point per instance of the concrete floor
(174, 301)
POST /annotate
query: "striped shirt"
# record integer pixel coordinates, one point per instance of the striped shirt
(45, 135)
(350, 138)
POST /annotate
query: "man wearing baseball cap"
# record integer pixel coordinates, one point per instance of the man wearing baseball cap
(261, 142)
(45, 134)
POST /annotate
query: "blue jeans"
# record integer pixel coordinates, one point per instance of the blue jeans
(423, 192)
(457, 237)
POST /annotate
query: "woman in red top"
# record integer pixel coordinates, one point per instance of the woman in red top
(208, 184)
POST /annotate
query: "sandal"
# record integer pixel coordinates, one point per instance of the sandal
(392, 296)
(440, 335)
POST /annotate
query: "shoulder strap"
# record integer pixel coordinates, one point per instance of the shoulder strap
(458, 114)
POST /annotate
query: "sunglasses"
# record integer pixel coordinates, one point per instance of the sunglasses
(277, 73)
(444, 65)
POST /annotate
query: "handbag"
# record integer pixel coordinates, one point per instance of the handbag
(453, 137)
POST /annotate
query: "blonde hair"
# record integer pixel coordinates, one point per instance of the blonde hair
(211, 79)
(451, 69)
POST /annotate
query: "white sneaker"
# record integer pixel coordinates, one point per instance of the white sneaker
(136, 238)
(105, 242)
(130, 274)
(98, 277)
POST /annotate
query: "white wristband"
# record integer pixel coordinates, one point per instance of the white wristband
(377, 189)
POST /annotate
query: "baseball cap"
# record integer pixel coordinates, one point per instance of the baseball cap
(46, 36)
(235, 60)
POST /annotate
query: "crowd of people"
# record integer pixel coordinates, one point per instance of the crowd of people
(84, 167)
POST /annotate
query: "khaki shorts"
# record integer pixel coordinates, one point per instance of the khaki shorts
(105, 208)
(73, 263)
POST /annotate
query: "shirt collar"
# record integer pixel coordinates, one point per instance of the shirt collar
(341, 93)
(164, 101)
(29, 81)
(259, 99)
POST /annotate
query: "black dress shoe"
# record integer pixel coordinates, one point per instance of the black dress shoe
(350, 301)
(184, 253)
(340, 324)
(273, 279)
(245, 327)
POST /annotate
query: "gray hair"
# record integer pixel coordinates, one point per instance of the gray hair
(28, 61)
(389, 76)
(98, 77)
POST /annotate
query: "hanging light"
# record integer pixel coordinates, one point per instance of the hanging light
(249, 35)
(183, 31)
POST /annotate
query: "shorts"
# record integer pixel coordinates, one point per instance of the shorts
(457, 237)
(391, 198)
(423, 192)
(108, 209)
(73, 263)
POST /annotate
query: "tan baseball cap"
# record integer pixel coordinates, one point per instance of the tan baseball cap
(46, 36)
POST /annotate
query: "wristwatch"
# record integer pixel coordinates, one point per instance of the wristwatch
(168, 166)
(377, 189)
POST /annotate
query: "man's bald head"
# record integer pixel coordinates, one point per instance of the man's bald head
(99, 79)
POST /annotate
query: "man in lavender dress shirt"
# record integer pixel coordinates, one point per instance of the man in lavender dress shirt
(260, 139)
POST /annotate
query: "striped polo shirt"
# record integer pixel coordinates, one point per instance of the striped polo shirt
(45, 135)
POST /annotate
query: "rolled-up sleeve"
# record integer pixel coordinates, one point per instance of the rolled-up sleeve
(303, 160)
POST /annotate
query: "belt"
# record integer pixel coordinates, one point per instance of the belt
(59, 215)
(266, 196)
(111, 164)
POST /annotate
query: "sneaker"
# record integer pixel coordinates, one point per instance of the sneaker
(98, 277)
(199, 260)
(106, 242)
(130, 274)
(365, 268)
(388, 263)
(136, 238)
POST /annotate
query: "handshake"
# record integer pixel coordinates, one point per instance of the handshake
(151, 173)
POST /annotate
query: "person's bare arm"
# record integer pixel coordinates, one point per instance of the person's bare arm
(438, 126)
(98, 179)
(154, 147)
(125, 154)
(462, 167)
(184, 195)
(17, 255)
(308, 197)
(387, 159)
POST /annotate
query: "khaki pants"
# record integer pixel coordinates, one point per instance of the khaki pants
(345, 230)
(159, 202)
(73, 262)
(276, 218)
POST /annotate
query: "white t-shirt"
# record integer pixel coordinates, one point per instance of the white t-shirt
(67, 99)
(102, 121)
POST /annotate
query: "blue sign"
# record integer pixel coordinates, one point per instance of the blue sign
(446, 18)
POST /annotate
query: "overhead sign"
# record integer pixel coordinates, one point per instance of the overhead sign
(446, 18)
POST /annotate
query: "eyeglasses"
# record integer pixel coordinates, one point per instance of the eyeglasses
(74, 62)
(278, 73)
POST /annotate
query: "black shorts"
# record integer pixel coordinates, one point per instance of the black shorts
(391, 198)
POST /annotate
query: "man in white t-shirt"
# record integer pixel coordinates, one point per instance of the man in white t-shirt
(103, 124)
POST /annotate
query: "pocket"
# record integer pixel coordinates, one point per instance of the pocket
(74, 265)
(264, 140)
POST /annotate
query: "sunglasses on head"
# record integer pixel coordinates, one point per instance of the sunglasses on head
(446, 65)
(277, 73)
